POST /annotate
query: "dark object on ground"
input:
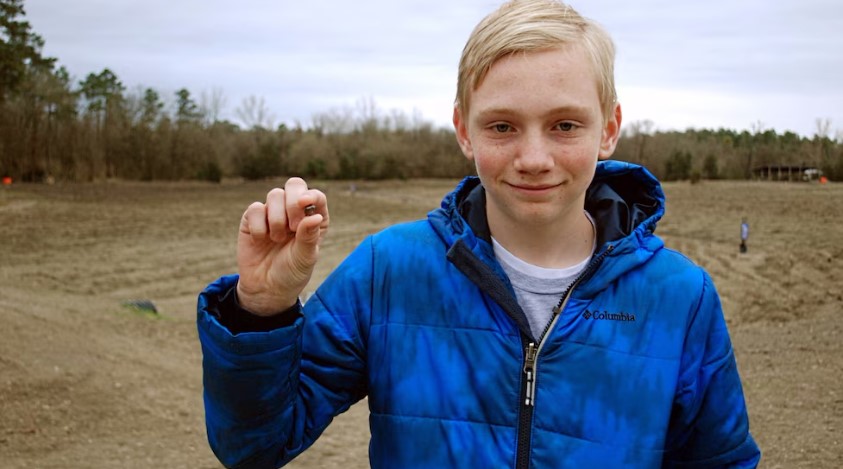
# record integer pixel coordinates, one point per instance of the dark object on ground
(143, 305)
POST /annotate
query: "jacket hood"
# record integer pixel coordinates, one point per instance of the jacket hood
(625, 200)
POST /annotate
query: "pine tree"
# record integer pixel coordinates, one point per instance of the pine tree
(20, 48)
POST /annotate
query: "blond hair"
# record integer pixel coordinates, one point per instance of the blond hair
(532, 25)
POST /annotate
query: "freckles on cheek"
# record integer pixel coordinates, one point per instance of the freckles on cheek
(492, 151)
(483, 158)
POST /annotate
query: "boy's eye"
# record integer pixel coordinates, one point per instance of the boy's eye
(566, 126)
(502, 128)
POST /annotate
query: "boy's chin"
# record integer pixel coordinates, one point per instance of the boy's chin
(528, 216)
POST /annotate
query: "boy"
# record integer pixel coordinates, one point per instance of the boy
(533, 320)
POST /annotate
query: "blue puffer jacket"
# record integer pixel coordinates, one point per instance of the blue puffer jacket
(636, 370)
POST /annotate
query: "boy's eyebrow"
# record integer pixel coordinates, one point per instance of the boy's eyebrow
(568, 109)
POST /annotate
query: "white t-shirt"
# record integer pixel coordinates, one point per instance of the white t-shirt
(538, 289)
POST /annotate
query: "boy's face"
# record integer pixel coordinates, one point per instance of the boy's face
(535, 131)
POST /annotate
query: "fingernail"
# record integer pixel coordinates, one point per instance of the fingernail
(309, 210)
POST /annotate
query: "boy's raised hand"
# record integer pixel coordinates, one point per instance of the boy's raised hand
(278, 246)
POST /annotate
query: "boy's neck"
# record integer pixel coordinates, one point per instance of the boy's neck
(553, 246)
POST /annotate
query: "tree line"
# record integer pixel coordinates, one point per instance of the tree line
(55, 127)
(729, 154)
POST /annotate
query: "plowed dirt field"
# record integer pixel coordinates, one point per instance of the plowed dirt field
(86, 382)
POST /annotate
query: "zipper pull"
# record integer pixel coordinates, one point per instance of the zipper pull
(529, 371)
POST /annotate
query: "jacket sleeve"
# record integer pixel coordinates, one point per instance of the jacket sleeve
(269, 395)
(709, 425)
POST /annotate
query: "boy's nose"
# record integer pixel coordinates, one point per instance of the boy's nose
(534, 155)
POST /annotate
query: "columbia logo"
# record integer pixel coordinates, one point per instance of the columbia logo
(607, 316)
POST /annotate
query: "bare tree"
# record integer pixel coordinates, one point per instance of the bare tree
(368, 113)
(398, 121)
(211, 105)
(418, 120)
(823, 127)
(640, 132)
(757, 129)
(337, 120)
(822, 137)
(254, 113)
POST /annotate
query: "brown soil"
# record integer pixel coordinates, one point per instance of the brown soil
(87, 382)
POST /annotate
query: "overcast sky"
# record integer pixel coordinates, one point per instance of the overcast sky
(719, 63)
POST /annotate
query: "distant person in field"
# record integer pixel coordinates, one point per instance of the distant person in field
(744, 234)
(532, 320)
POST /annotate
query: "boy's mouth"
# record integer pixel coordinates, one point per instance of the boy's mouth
(531, 191)
(534, 187)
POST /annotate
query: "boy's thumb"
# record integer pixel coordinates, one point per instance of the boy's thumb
(311, 235)
(307, 237)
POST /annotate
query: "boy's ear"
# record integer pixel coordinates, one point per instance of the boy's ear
(461, 129)
(611, 134)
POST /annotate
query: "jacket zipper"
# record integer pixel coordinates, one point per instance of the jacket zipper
(530, 369)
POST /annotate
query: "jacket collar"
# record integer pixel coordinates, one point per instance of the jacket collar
(625, 200)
